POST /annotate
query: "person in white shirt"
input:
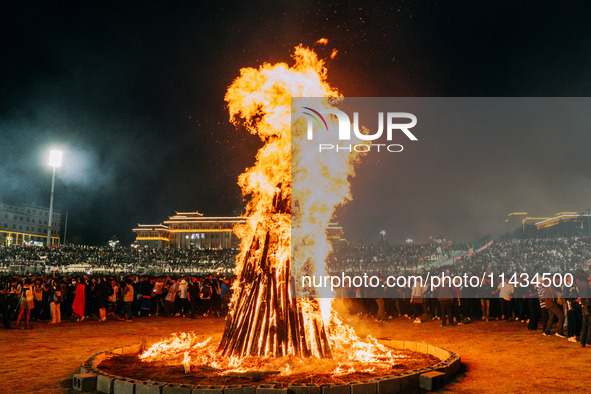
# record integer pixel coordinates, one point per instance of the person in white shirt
(506, 291)
(183, 298)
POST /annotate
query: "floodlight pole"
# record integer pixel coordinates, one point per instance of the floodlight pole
(55, 161)
(65, 228)
(49, 219)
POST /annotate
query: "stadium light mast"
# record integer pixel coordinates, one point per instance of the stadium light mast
(55, 161)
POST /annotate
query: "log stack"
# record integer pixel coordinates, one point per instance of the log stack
(265, 318)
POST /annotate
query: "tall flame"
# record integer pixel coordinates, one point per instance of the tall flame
(260, 99)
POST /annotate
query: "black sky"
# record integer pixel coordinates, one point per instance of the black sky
(134, 92)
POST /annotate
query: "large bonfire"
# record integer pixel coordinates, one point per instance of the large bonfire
(268, 328)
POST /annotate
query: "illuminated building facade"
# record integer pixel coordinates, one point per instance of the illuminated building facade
(566, 224)
(189, 230)
(27, 225)
(335, 233)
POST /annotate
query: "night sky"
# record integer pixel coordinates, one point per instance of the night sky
(133, 93)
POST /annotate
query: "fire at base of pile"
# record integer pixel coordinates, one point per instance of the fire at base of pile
(191, 359)
(352, 359)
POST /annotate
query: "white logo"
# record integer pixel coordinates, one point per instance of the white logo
(393, 124)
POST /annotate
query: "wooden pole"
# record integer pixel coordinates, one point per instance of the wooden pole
(265, 319)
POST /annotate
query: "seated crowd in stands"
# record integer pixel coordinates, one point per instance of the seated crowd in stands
(119, 259)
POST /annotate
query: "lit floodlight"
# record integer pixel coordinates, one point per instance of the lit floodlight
(55, 158)
(55, 161)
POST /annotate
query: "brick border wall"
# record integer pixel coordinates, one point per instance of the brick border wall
(434, 377)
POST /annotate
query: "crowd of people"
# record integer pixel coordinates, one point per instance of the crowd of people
(385, 259)
(562, 310)
(513, 255)
(530, 255)
(510, 290)
(49, 298)
(65, 259)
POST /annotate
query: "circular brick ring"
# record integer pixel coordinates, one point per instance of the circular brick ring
(434, 377)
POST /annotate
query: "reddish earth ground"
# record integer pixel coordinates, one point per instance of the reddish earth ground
(498, 356)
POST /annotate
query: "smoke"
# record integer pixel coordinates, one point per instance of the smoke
(84, 169)
(473, 165)
(89, 162)
(104, 164)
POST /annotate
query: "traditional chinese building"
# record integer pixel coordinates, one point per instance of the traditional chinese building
(566, 224)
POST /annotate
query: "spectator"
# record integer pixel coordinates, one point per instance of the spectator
(553, 310)
(55, 304)
(183, 298)
(225, 293)
(205, 296)
(417, 300)
(113, 298)
(505, 290)
(171, 297)
(26, 302)
(445, 297)
(103, 290)
(157, 304)
(79, 300)
(128, 296)
(146, 291)
(40, 308)
(582, 283)
(194, 297)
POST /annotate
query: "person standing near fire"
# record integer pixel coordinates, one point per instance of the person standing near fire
(206, 293)
(55, 304)
(170, 297)
(39, 300)
(113, 298)
(226, 293)
(183, 298)
(416, 301)
(446, 296)
(79, 303)
(505, 291)
(128, 294)
(194, 297)
(550, 293)
(157, 297)
(27, 302)
(582, 283)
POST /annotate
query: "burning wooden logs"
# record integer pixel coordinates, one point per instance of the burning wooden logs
(265, 318)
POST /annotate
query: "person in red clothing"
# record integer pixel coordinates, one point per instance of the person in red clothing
(79, 301)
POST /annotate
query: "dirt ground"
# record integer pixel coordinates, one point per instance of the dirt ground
(498, 356)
